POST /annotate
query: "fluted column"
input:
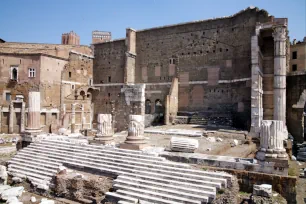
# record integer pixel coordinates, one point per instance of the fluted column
(105, 129)
(34, 112)
(22, 118)
(280, 37)
(11, 118)
(272, 136)
(135, 138)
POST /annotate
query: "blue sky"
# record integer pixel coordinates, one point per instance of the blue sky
(43, 21)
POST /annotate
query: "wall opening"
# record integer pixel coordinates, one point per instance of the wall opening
(148, 107)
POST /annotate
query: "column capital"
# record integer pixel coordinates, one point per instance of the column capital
(279, 33)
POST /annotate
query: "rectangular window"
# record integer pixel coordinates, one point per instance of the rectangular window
(31, 72)
(294, 67)
(14, 73)
(8, 96)
(109, 79)
(69, 74)
(72, 86)
(294, 55)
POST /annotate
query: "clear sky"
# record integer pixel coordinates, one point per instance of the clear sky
(43, 21)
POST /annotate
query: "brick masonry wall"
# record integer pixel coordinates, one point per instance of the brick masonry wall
(296, 85)
(206, 56)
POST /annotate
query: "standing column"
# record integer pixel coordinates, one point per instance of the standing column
(82, 117)
(105, 129)
(280, 37)
(0, 118)
(34, 112)
(11, 121)
(22, 119)
(73, 118)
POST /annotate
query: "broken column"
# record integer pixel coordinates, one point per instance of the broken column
(11, 118)
(280, 37)
(105, 129)
(272, 136)
(183, 144)
(33, 125)
(135, 139)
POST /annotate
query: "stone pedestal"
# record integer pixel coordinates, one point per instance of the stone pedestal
(105, 129)
(135, 139)
(33, 126)
(272, 136)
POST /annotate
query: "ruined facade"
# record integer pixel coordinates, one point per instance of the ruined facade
(212, 60)
(61, 73)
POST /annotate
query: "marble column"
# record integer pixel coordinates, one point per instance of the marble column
(73, 118)
(135, 138)
(22, 118)
(105, 129)
(280, 37)
(0, 118)
(82, 117)
(11, 118)
(34, 112)
(272, 136)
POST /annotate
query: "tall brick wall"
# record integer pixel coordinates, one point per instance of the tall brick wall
(211, 58)
(296, 104)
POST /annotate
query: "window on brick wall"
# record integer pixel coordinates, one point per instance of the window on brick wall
(31, 73)
(69, 74)
(109, 79)
(7, 96)
(294, 67)
(14, 73)
(294, 55)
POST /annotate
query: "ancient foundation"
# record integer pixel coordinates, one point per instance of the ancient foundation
(105, 129)
(272, 136)
(135, 139)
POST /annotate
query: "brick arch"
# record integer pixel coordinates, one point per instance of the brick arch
(302, 101)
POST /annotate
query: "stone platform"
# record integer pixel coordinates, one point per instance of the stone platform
(139, 175)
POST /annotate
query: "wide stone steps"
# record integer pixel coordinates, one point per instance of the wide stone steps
(164, 165)
(211, 181)
(132, 185)
(67, 157)
(126, 180)
(140, 176)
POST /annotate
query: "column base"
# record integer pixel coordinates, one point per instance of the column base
(133, 146)
(265, 155)
(99, 139)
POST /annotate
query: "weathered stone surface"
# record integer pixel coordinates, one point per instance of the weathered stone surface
(46, 201)
(3, 175)
(264, 190)
(272, 136)
(11, 192)
(105, 129)
(183, 144)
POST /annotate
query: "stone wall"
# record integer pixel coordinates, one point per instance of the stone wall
(211, 58)
(284, 185)
(296, 100)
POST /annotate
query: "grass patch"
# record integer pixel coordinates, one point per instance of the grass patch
(220, 191)
(204, 168)
(292, 172)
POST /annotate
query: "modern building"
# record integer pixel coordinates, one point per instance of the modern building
(101, 36)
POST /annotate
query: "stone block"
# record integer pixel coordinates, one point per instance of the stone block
(264, 190)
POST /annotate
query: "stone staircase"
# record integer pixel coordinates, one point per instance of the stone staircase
(140, 177)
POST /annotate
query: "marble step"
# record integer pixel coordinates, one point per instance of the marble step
(209, 192)
(41, 170)
(30, 163)
(155, 197)
(94, 148)
(119, 197)
(215, 182)
(124, 202)
(185, 168)
(23, 173)
(160, 167)
(132, 185)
